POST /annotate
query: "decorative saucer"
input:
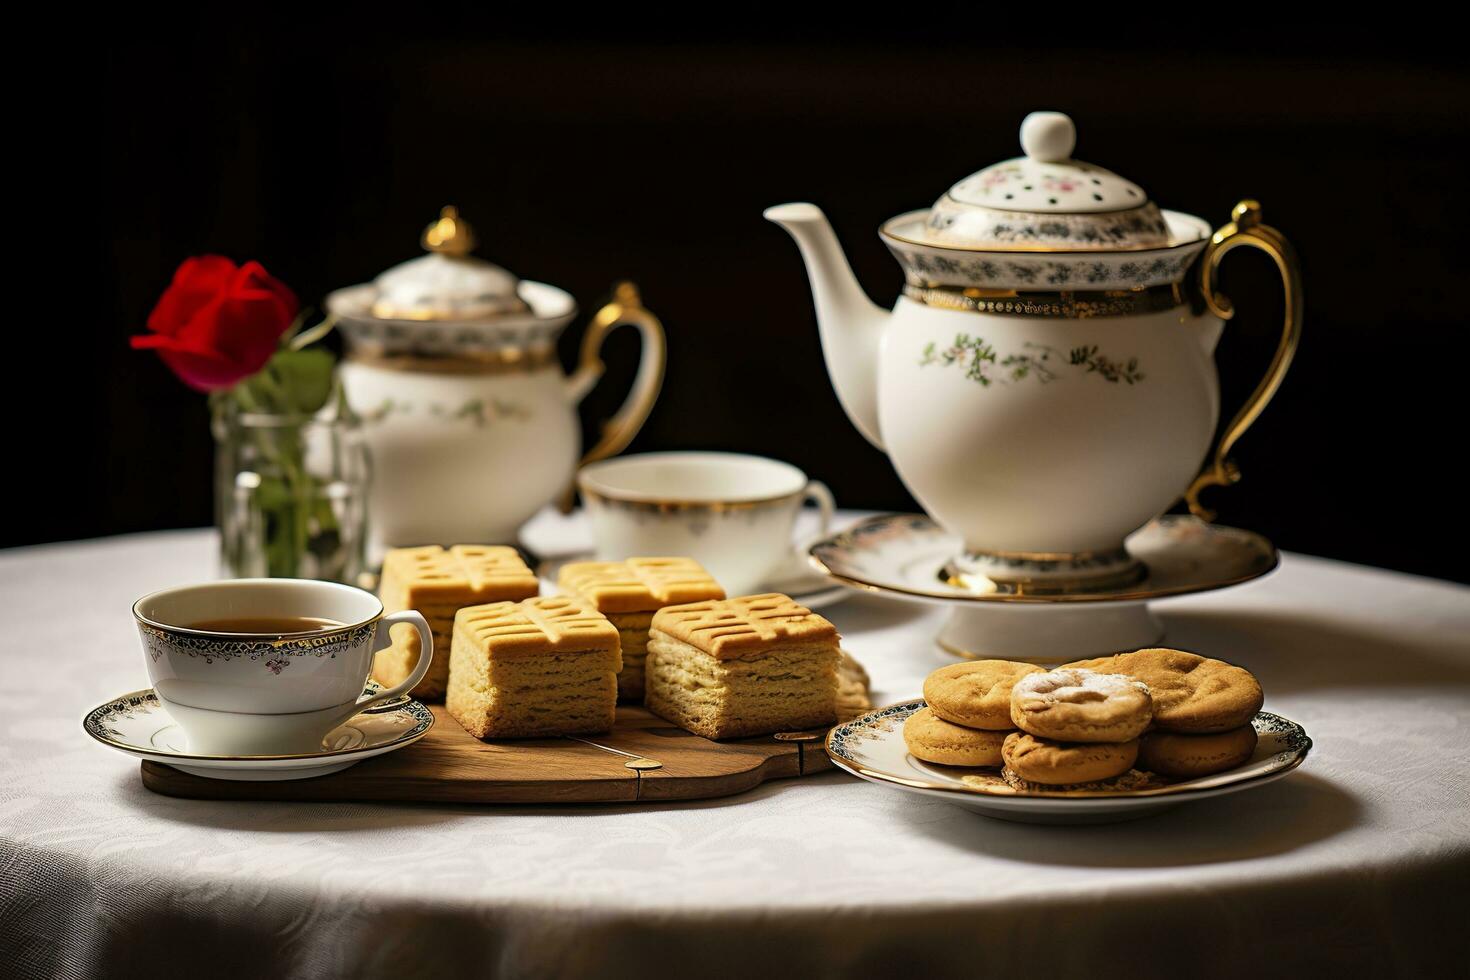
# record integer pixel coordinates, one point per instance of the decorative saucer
(905, 556)
(139, 725)
(871, 747)
(799, 581)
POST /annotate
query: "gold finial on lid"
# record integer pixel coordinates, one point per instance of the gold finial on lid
(451, 234)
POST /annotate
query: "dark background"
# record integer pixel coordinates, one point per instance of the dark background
(619, 151)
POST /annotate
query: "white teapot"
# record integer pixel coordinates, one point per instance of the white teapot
(451, 362)
(1045, 385)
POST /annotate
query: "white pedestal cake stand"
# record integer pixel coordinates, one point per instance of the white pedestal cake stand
(905, 555)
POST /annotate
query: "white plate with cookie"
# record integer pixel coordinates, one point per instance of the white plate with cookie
(872, 747)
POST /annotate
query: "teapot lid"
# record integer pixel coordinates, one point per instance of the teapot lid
(448, 283)
(1045, 201)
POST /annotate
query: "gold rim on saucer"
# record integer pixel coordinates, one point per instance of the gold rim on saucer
(92, 724)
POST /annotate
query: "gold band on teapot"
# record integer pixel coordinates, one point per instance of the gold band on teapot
(509, 360)
(1246, 230)
(1076, 304)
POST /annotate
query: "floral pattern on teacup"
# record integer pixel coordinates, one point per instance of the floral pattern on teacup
(276, 653)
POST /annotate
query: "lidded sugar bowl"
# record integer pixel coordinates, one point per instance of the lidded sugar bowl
(451, 362)
(1045, 385)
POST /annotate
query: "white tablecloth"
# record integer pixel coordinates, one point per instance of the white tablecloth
(1358, 860)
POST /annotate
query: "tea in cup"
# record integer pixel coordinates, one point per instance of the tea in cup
(732, 513)
(267, 666)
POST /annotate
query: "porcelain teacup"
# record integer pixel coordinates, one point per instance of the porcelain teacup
(267, 693)
(732, 513)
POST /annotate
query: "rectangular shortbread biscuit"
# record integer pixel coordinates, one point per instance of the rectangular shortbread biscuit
(549, 624)
(466, 574)
(544, 666)
(738, 667)
(639, 584)
(726, 628)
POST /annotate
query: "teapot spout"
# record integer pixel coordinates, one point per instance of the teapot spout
(850, 323)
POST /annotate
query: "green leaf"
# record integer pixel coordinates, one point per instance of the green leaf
(303, 377)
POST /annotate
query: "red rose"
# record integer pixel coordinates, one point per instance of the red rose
(216, 323)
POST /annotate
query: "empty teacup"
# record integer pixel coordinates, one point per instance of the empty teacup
(267, 666)
(734, 514)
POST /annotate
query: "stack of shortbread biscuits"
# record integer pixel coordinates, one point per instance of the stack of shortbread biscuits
(1112, 723)
(723, 668)
(968, 716)
(1202, 710)
(512, 665)
(1075, 727)
(438, 583)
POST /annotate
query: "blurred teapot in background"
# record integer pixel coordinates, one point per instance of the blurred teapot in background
(472, 424)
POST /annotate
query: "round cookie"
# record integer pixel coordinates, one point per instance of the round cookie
(1191, 693)
(976, 694)
(931, 738)
(1040, 760)
(1070, 705)
(1188, 756)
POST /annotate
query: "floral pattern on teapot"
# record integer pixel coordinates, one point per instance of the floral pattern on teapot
(1080, 231)
(479, 411)
(1023, 271)
(983, 364)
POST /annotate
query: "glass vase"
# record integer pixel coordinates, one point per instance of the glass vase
(290, 494)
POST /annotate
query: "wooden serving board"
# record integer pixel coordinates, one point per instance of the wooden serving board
(644, 759)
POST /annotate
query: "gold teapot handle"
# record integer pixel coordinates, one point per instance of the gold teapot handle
(626, 307)
(1247, 230)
